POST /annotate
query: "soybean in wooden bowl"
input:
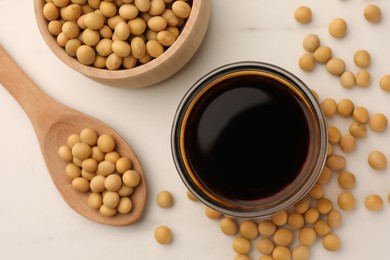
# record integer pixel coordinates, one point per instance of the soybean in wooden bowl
(174, 57)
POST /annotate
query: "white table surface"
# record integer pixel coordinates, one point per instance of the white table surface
(37, 224)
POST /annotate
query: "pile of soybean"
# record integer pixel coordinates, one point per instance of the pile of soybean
(323, 54)
(115, 34)
(94, 166)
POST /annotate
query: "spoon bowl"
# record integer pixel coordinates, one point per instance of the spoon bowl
(53, 122)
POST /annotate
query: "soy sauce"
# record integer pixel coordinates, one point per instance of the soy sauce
(247, 138)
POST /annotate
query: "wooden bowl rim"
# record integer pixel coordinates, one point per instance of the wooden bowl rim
(94, 72)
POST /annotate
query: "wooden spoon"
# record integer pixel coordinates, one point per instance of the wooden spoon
(53, 123)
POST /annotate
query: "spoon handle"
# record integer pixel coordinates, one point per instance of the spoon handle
(40, 108)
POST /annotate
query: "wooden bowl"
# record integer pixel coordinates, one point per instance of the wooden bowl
(160, 68)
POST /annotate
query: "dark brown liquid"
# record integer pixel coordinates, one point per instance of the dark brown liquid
(247, 138)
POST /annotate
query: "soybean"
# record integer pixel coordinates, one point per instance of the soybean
(346, 201)
(347, 79)
(307, 62)
(331, 242)
(181, 9)
(211, 213)
(266, 228)
(95, 200)
(346, 180)
(301, 252)
(125, 205)
(85, 54)
(372, 13)
(347, 143)
(281, 253)
(360, 114)
(334, 219)
(163, 235)
(241, 245)
(323, 54)
(357, 130)
(378, 122)
(191, 196)
(228, 226)
(164, 199)
(345, 107)
(322, 228)
(373, 202)
(362, 58)
(324, 206)
(334, 135)
(335, 66)
(312, 215)
(384, 83)
(80, 184)
(316, 191)
(311, 42)
(296, 221)
(280, 218)
(265, 246)
(303, 14)
(248, 230)
(377, 160)
(336, 162)
(363, 78)
(65, 153)
(325, 176)
(302, 206)
(307, 236)
(337, 28)
(329, 107)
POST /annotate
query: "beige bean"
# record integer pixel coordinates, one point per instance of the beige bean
(142, 5)
(346, 201)
(154, 48)
(241, 245)
(181, 9)
(138, 47)
(373, 202)
(347, 180)
(336, 162)
(357, 130)
(303, 14)
(329, 107)
(331, 242)
(377, 160)
(311, 42)
(307, 62)
(266, 228)
(307, 236)
(323, 54)
(334, 135)
(335, 66)
(334, 219)
(378, 122)
(347, 143)
(337, 27)
(363, 78)
(345, 107)
(362, 58)
(347, 79)
(163, 235)
(228, 226)
(80, 184)
(372, 13)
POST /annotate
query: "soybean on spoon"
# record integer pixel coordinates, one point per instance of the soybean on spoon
(53, 122)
